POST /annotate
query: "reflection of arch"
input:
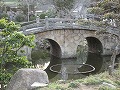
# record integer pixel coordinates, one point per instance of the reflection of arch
(93, 57)
(55, 51)
(95, 49)
(82, 52)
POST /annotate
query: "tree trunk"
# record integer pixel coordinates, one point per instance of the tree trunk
(113, 57)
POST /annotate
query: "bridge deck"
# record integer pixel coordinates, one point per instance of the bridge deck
(63, 24)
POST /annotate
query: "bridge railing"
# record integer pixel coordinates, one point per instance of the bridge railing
(49, 23)
(60, 23)
(56, 23)
(33, 24)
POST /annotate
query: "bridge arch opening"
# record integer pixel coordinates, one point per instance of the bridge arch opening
(94, 45)
(95, 50)
(55, 55)
(46, 54)
(91, 53)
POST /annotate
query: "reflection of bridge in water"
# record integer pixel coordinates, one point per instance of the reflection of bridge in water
(65, 35)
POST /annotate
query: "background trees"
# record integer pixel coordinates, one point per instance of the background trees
(11, 41)
(63, 7)
(106, 9)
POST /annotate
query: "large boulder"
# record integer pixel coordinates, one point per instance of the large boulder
(24, 78)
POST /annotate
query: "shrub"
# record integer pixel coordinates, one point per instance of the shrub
(102, 87)
(32, 17)
(20, 18)
(95, 10)
(73, 85)
(83, 22)
(117, 82)
(42, 16)
(10, 61)
(4, 15)
(92, 80)
(60, 88)
(110, 15)
(51, 14)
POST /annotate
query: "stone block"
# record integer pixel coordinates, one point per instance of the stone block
(24, 78)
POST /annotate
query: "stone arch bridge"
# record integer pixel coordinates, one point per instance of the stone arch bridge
(65, 36)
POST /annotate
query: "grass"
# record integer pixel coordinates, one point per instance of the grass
(73, 85)
(97, 79)
(92, 80)
(103, 87)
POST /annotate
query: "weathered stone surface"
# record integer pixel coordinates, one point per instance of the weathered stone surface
(68, 39)
(37, 84)
(24, 78)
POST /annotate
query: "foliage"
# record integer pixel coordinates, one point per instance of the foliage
(83, 22)
(92, 80)
(20, 18)
(24, 8)
(3, 15)
(37, 54)
(103, 87)
(91, 23)
(49, 13)
(11, 41)
(42, 16)
(96, 80)
(64, 4)
(1, 5)
(95, 10)
(32, 17)
(109, 5)
(63, 7)
(60, 88)
(24, 4)
(108, 9)
(109, 15)
(73, 85)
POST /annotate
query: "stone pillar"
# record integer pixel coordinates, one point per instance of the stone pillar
(46, 22)
(69, 51)
(37, 19)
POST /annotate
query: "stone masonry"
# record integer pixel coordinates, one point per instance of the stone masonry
(69, 39)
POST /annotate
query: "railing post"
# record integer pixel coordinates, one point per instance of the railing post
(37, 19)
(71, 22)
(46, 22)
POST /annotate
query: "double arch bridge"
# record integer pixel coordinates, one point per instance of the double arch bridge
(64, 36)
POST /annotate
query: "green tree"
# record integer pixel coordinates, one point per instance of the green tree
(11, 41)
(107, 9)
(26, 5)
(63, 7)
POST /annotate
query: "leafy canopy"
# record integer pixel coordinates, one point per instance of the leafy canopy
(11, 41)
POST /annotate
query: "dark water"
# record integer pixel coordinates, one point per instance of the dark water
(73, 65)
(98, 61)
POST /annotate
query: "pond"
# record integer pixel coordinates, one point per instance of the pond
(43, 59)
